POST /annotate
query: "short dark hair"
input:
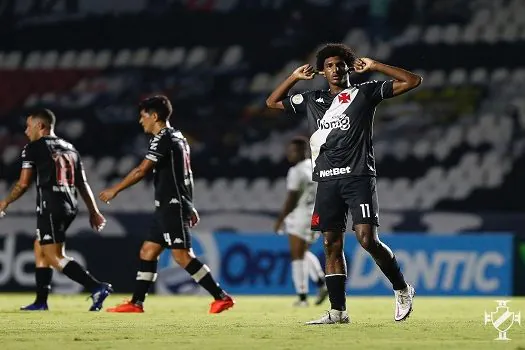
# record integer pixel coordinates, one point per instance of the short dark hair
(46, 116)
(159, 104)
(301, 142)
(333, 50)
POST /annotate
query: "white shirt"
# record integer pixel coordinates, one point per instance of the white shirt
(300, 179)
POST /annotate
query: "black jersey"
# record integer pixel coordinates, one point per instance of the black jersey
(341, 127)
(58, 170)
(173, 177)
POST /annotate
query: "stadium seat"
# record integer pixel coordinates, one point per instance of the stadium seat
(49, 60)
(122, 58)
(176, 57)
(159, 58)
(196, 56)
(86, 59)
(102, 59)
(140, 57)
(67, 60)
(33, 60)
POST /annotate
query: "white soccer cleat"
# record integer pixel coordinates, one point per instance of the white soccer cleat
(300, 303)
(404, 300)
(332, 317)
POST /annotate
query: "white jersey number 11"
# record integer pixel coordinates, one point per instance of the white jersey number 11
(365, 209)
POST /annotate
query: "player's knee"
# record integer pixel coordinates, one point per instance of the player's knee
(333, 247)
(367, 240)
(147, 253)
(51, 255)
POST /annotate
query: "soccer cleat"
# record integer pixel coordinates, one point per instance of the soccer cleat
(300, 303)
(321, 295)
(404, 301)
(99, 295)
(35, 307)
(332, 317)
(127, 307)
(218, 306)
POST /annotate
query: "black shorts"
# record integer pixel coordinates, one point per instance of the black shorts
(51, 226)
(170, 229)
(334, 198)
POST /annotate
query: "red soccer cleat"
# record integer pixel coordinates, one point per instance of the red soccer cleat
(128, 307)
(218, 306)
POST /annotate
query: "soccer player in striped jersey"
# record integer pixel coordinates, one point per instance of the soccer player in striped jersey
(168, 157)
(340, 123)
(60, 177)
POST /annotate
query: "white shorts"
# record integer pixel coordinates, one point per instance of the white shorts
(300, 228)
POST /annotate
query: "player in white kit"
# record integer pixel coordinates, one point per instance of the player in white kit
(295, 220)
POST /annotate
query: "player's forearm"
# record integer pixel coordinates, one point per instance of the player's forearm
(399, 74)
(16, 192)
(281, 92)
(132, 178)
(289, 206)
(87, 196)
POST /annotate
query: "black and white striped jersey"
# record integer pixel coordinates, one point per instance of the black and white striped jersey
(341, 127)
(58, 171)
(173, 178)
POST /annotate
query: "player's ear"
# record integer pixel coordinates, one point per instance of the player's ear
(39, 124)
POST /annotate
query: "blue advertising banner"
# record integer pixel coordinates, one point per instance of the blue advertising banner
(436, 265)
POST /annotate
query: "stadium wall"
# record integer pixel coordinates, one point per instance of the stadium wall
(481, 263)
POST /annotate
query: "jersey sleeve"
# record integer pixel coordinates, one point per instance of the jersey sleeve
(159, 147)
(376, 90)
(27, 157)
(293, 180)
(296, 104)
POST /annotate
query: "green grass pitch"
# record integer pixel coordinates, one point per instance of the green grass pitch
(267, 322)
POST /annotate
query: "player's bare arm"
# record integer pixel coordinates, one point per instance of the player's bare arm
(18, 189)
(132, 178)
(289, 205)
(403, 80)
(305, 72)
(96, 218)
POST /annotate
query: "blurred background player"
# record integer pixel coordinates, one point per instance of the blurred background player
(296, 216)
(59, 175)
(169, 158)
(341, 122)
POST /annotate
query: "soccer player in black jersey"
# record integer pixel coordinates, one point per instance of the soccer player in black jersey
(340, 123)
(169, 158)
(59, 175)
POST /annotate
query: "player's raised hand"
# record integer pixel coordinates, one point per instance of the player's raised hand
(195, 218)
(97, 221)
(363, 64)
(305, 72)
(107, 195)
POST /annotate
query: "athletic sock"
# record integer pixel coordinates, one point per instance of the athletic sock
(43, 276)
(146, 275)
(201, 274)
(77, 273)
(336, 285)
